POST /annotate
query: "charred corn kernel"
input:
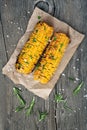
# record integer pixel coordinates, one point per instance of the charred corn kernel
(51, 58)
(33, 49)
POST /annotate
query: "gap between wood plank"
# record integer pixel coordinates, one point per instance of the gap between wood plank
(4, 38)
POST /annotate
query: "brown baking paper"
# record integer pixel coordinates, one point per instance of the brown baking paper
(27, 80)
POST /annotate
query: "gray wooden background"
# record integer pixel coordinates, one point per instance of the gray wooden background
(14, 16)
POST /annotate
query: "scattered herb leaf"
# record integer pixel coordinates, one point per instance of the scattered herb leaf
(39, 17)
(26, 62)
(19, 65)
(44, 27)
(55, 38)
(36, 30)
(59, 98)
(29, 46)
(31, 56)
(22, 53)
(43, 66)
(78, 88)
(37, 66)
(42, 115)
(51, 56)
(30, 107)
(34, 39)
(47, 38)
(61, 45)
(59, 49)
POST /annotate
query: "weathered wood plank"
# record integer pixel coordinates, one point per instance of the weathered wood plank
(73, 12)
(15, 16)
(51, 109)
(3, 60)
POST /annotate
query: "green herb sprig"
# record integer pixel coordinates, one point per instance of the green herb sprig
(20, 98)
(16, 90)
(19, 108)
(30, 107)
(65, 105)
(22, 101)
(17, 93)
(42, 115)
(78, 88)
(59, 98)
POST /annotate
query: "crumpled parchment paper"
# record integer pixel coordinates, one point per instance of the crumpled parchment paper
(27, 80)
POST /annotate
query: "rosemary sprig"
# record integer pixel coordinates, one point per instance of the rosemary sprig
(22, 101)
(19, 108)
(30, 107)
(17, 93)
(66, 106)
(16, 90)
(59, 98)
(78, 88)
(42, 115)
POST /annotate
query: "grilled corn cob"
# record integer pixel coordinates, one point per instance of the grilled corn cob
(51, 58)
(34, 47)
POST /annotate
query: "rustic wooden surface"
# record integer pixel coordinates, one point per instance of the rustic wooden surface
(14, 16)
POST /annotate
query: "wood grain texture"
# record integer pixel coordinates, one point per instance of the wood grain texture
(2, 82)
(73, 12)
(14, 16)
